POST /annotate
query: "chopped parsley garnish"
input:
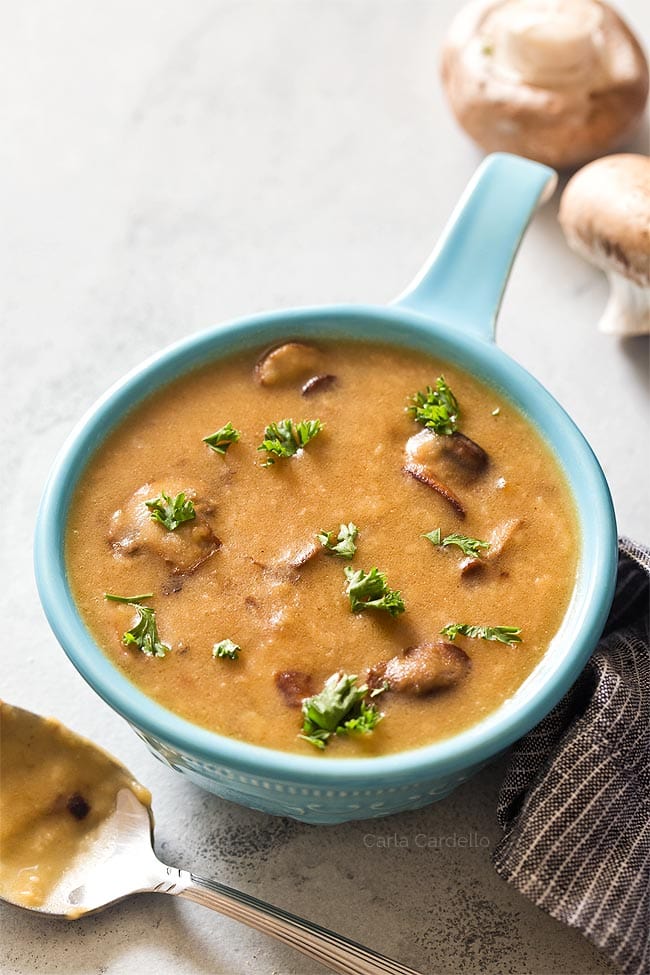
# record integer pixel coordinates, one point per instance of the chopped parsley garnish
(171, 512)
(221, 439)
(345, 544)
(369, 590)
(226, 648)
(500, 634)
(144, 635)
(285, 438)
(339, 709)
(127, 599)
(469, 546)
(437, 408)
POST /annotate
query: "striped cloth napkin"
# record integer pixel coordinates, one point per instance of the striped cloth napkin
(575, 802)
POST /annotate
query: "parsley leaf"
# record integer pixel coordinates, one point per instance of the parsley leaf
(500, 634)
(469, 546)
(144, 634)
(346, 541)
(171, 512)
(306, 430)
(369, 590)
(437, 408)
(112, 598)
(365, 721)
(221, 439)
(226, 648)
(285, 438)
(339, 709)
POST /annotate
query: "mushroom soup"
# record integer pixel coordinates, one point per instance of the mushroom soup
(352, 547)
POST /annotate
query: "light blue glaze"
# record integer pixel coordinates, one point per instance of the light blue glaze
(463, 283)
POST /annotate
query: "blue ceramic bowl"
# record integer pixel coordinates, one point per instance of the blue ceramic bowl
(449, 311)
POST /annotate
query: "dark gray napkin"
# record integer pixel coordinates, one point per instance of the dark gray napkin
(575, 802)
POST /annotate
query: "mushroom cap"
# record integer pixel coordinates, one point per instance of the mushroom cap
(605, 215)
(559, 81)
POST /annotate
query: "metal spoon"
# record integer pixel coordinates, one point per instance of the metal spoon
(120, 861)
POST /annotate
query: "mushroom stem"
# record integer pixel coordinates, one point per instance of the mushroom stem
(605, 216)
(628, 308)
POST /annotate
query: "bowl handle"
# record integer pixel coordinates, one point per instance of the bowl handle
(462, 283)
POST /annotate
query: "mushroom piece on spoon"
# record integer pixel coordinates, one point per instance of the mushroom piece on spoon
(559, 81)
(605, 215)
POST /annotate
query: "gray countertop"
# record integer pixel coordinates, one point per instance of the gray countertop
(166, 166)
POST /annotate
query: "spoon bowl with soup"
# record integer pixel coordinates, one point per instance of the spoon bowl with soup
(76, 833)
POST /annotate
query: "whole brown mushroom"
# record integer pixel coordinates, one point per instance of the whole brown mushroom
(605, 215)
(559, 81)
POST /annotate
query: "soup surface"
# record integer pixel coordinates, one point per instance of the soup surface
(57, 790)
(248, 565)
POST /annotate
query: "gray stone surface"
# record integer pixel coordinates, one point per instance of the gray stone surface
(165, 166)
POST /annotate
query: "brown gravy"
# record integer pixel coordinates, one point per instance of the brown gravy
(239, 571)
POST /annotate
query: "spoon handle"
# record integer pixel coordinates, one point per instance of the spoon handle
(332, 950)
